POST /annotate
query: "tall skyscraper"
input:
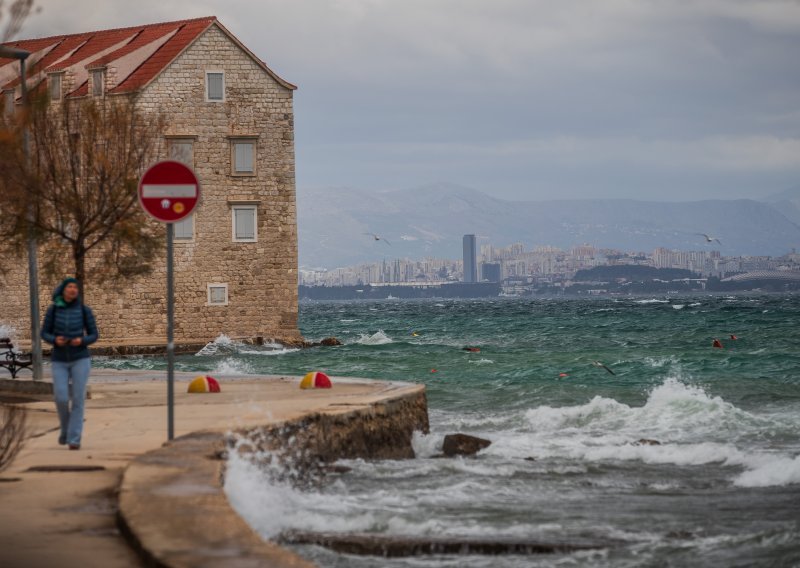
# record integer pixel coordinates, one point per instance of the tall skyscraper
(470, 259)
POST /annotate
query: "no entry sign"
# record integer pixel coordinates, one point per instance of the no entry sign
(169, 191)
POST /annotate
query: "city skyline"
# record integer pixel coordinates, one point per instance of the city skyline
(545, 263)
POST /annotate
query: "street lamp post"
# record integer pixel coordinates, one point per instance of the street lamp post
(33, 265)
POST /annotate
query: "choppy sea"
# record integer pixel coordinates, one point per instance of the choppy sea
(722, 487)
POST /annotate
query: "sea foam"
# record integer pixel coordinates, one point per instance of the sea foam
(692, 428)
(377, 338)
(224, 345)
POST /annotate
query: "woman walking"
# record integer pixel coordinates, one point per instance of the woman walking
(70, 327)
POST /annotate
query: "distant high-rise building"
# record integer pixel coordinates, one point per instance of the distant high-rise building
(470, 259)
(490, 271)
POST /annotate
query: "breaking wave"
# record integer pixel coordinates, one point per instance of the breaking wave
(224, 345)
(691, 428)
(377, 338)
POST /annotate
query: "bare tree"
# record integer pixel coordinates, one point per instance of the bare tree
(18, 11)
(13, 430)
(81, 183)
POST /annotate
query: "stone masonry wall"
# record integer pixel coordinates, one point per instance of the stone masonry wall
(261, 276)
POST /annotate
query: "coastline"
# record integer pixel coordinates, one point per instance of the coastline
(69, 518)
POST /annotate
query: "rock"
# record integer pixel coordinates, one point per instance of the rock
(393, 546)
(463, 445)
(340, 469)
(330, 342)
(646, 442)
(530, 459)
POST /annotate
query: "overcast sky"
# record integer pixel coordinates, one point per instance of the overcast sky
(522, 99)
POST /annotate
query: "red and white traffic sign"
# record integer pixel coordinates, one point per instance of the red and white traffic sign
(169, 191)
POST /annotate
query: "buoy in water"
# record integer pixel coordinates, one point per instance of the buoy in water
(717, 344)
(316, 380)
(204, 383)
(734, 337)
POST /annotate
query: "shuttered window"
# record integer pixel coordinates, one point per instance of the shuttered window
(55, 86)
(215, 86)
(217, 294)
(244, 223)
(184, 230)
(244, 156)
(98, 82)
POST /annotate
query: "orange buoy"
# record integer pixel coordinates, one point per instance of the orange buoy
(316, 380)
(734, 337)
(717, 343)
(204, 383)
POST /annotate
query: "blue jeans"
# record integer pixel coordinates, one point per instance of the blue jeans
(75, 374)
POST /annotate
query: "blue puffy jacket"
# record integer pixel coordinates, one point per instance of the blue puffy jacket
(70, 321)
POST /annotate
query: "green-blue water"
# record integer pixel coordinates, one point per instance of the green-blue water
(722, 488)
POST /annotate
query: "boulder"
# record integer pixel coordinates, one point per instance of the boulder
(646, 442)
(463, 445)
(330, 342)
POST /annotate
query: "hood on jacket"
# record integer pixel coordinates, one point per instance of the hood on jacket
(58, 293)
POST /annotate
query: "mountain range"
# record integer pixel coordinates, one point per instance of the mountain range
(429, 221)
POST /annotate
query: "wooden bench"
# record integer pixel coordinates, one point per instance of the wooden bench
(13, 361)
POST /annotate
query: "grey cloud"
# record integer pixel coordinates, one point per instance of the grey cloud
(519, 97)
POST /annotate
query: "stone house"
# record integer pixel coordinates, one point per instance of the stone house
(229, 117)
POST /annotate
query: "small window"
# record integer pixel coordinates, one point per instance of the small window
(215, 86)
(9, 99)
(182, 150)
(243, 157)
(217, 294)
(184, 229)
(55, 86)
(244, 223)
(98, 82)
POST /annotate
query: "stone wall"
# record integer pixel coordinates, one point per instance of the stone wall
(184, 479)
(261, 276)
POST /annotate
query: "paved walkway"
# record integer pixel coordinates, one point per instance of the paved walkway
(67, 518)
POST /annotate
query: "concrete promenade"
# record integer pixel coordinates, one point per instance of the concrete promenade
(64, 518)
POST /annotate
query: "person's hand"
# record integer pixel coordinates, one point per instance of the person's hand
(61, 341)
(75, 341)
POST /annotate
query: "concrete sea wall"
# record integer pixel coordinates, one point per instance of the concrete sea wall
(172, 506)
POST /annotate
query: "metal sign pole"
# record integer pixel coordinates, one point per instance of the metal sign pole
(170, 334)
(169, 192)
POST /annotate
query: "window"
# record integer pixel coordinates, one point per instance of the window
(215, 86)
(98, 82)
(243, 153)
(9, 99)
(217, 294)
(55, 86)
(244, 223)
(181, 150)
(184, 229)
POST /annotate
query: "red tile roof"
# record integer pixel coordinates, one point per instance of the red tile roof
(95, 49)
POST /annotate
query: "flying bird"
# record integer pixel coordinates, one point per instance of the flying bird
(710, 239)
(599, 364)
(378, 238)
